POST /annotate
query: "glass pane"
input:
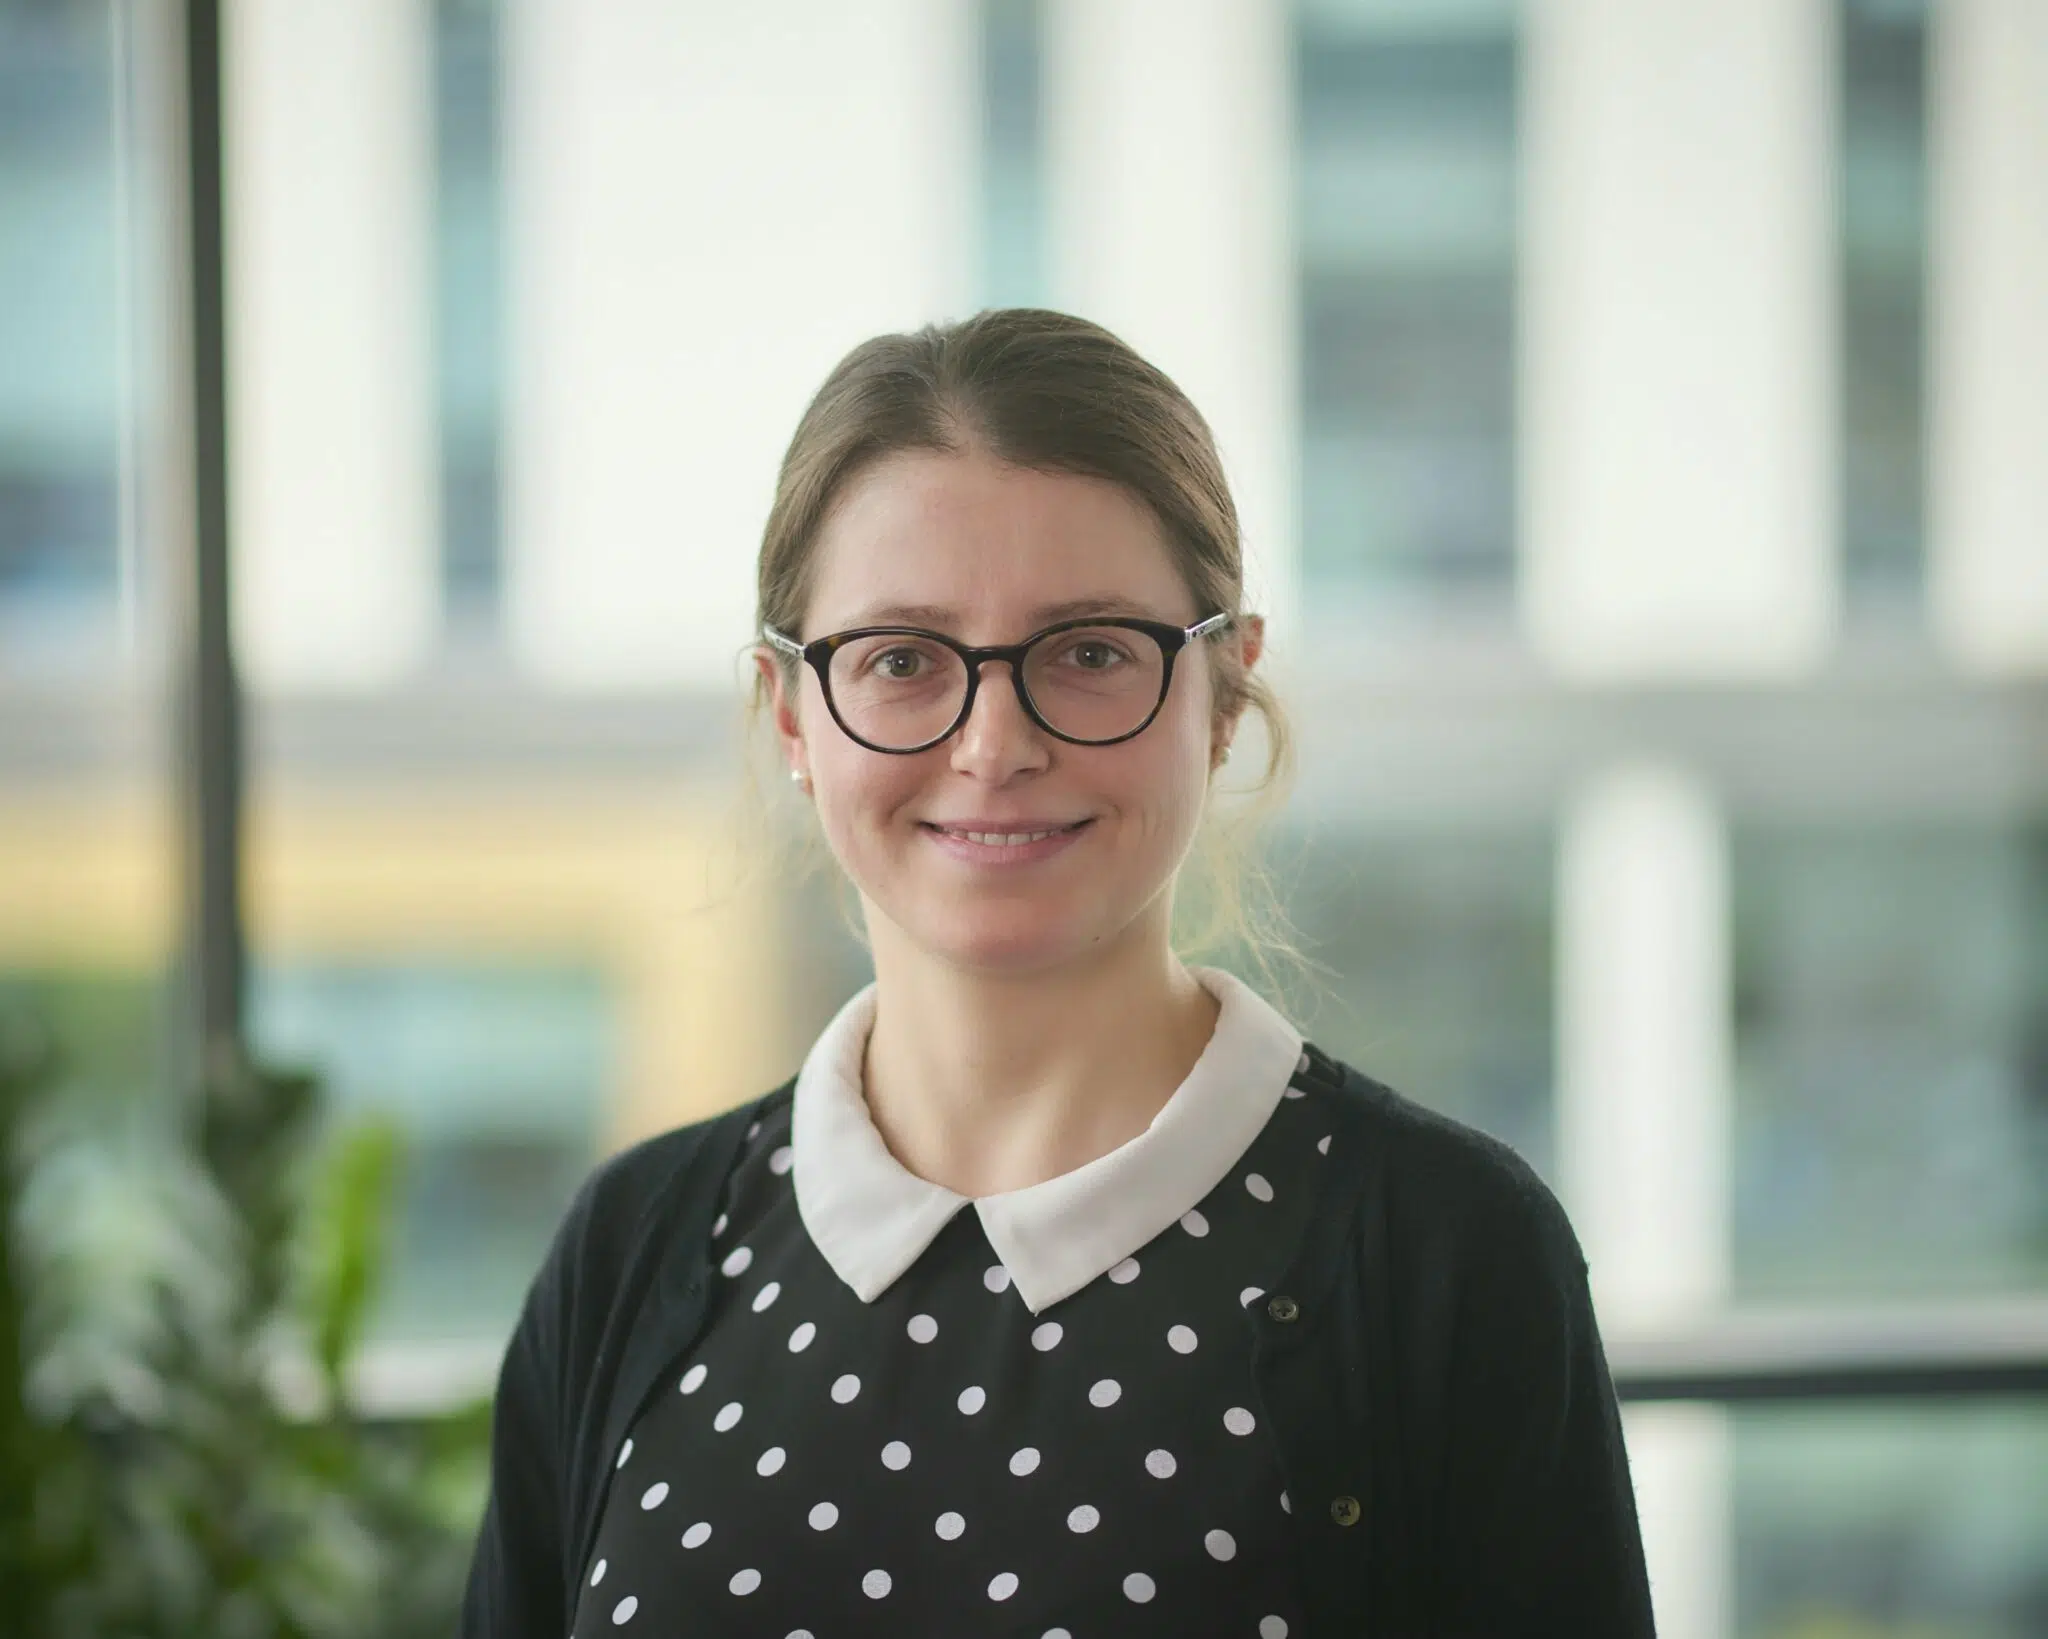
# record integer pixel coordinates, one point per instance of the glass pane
(495, 1071)
(1405, 200)
(68, 220)
(468, 251)
(1884, 289)
(1891, 1522)
(1013, 230)
(88, 884)
(1891, 991)
(1442, 949)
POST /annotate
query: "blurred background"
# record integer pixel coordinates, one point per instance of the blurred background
(1639, 412)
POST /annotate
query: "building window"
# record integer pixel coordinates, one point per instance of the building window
(1405, 217)
(1884, 290)
(469, 227)
(67, 221)
(1891, 1008)
(1013, 203)
(497, 1074)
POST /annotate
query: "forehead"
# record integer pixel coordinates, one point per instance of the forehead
(961, 541)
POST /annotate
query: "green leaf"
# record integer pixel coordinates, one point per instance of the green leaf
(345, 1240)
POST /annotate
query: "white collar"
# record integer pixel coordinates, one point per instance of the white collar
(872, 1217)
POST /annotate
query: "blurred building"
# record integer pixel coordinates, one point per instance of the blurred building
(1637, 411)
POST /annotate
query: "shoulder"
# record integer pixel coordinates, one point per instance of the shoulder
(657, 1180)
(1442, 1188)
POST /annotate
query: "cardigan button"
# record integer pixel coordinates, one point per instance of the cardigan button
(1283, 1308)
(1345, 1510)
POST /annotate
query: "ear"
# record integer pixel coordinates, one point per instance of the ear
(788, 730)
(1248, 632)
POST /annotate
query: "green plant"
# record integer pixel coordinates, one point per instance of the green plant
(178, 1321)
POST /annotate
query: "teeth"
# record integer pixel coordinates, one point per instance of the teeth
(1005, 839)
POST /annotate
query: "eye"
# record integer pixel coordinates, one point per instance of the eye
(898, 665)
(1094, 653)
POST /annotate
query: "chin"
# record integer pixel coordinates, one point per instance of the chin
(1029, 942)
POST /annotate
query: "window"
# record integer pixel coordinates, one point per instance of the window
(1405, 211)
(1892, 1059)
(1013, 226)
(1884, 291)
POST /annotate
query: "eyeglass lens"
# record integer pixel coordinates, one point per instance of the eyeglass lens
(900, 691)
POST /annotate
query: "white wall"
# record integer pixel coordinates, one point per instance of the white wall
(1677, 390)
(709, 205)
(1988, 334)
(328, 125)
(1169, 160)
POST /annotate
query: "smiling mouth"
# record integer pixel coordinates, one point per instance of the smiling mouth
(1003, 839)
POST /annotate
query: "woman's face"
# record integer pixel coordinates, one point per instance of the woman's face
(989, 553)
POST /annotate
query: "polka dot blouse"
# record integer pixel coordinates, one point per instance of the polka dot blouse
(946, 1455)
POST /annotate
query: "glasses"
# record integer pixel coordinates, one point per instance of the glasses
(1090, 682)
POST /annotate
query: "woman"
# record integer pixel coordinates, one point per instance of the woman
(1231, 1339)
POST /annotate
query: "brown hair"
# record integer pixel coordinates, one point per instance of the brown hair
(1053, 393)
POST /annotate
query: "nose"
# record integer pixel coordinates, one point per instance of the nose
(999, 740)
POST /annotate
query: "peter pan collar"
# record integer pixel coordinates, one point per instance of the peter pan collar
(872, 1217)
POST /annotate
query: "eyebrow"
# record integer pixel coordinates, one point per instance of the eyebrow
(940, 618)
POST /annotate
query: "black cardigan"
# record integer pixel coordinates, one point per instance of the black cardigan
(1436, 1385)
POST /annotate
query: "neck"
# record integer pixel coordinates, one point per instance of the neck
(986, 1082)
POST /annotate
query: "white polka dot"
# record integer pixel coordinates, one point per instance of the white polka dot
(753, 1132)
(824, 1516)
(798, 1633)
(949, 1525)
(845, 1388)
(1292, 1092)
(737, 1259)
(1047, 1336)
(1257, 1187)
(728, 1414)
(996, 1278)
(1323, 1144)
(744, 1582)
(1024, 1461)
(1083, 1520)
(1239, 1421)
(1055, 1633)
(972, 1399)
(1003, 1586)
(1301, 1065)
(625, 1451)
(1138, 1588)
(922, 1328)
(654, 1496)
(718, 1228)
(1250, 1294)
(800, 1339)
(1272, 1627)
(597, 1575)
(1194, 1223)
(1105, 1393)
(623, 1611)
(767, 1295)
(1160, 1464)
(1221, 1545)
(876, 1584)
(1286, 1507)
(1126, 1272)
(780, 1161)
(896, 1455)
(693, 1379)
(771, 1461)
(697, 1535)
(1181, 1339)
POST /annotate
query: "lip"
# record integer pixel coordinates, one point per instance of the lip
(1024, 853)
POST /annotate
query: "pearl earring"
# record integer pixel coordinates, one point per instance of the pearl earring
(803, 780)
